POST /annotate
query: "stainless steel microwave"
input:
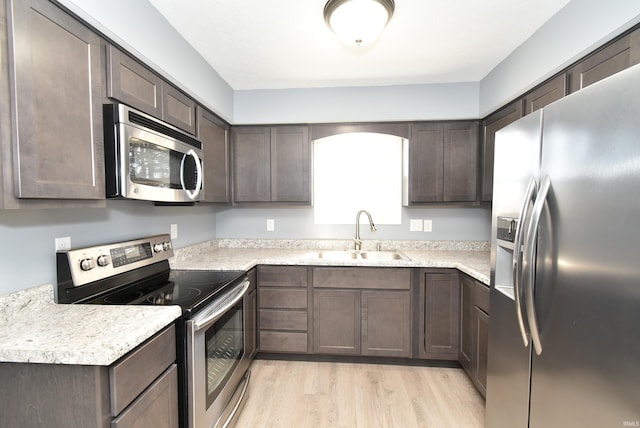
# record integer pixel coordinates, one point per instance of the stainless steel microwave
(148, 159)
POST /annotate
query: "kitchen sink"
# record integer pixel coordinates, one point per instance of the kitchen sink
(361, 255)
(383, 255)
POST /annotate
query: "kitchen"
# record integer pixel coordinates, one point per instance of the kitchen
(33, 231)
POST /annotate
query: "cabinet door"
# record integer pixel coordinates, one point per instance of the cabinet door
(57, 88)
(386, 323)
(439, 316)
(481, 327)
(213, 135)
(544, 95)
(426, 147)
(178, 109)
(290, 164)
(606, 62)
(251, 164)
(466, 323)
(336, 322)
(132, 83)
(491, 125)
(460, 171)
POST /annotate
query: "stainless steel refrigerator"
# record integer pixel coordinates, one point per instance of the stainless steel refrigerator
(564, 332)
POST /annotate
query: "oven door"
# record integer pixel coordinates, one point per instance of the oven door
(158, 168)
(216, 358)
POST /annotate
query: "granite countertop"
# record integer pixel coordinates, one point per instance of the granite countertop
(34, 329)
(470, 258)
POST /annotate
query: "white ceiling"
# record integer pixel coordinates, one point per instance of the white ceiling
(260, 44)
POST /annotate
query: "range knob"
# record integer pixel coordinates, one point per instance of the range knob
(103, 260)
(157, 248)
(166, 245)
(87, 264)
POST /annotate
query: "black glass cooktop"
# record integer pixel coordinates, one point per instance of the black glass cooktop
(190, 289)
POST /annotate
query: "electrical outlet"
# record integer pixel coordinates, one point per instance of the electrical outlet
(271, 225)
(428, 226)
(174, 231)
(415, 225)
(63, 244)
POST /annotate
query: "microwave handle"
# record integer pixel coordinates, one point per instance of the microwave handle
(191, 195)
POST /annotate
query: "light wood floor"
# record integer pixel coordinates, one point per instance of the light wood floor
(320, 394)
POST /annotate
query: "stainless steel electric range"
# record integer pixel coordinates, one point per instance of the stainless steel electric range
(213, 346)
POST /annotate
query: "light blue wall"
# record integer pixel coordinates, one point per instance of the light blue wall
(297, 223)
(27, 250)
(358, 104)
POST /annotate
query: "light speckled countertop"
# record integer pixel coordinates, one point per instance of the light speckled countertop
(34, 329)
(472, 258)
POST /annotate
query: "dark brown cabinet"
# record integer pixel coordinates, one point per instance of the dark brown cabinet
(56, 73)
(271, 164)
(474, 330)
(443, 162)
(490, 126)
(213, 133)
(362, 311)
(439, 303)
(282, 313)
(550, 91)
(605, 62)
(139, 390)
(134, 84)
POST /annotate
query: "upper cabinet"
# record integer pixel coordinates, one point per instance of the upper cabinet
(52, 138)
(605, 62)
(132, 83)
(490, 126)
(545, 94)
(443, 162)
(213, 133)
(271, 164)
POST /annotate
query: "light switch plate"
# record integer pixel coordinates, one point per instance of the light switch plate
(174, 231)
(271, 225)
(63, 244)
(428, 226)
(415, 225)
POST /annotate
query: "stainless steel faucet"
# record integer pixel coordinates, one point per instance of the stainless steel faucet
(358, 241)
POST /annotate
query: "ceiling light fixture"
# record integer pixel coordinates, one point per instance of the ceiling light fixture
(358, 22)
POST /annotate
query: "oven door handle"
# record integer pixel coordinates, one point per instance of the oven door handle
(221, 307)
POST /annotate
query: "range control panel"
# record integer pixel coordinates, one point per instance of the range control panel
(90, 264)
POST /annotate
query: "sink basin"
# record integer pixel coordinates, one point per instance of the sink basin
(364, 255)
(338, 255)
(383, 255)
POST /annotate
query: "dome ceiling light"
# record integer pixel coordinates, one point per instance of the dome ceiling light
(358, 22)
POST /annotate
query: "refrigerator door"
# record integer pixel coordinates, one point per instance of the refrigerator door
(587, 284)
(517, 161)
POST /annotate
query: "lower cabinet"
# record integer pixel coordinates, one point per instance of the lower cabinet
(139, 390)
(474, 330)
(282, 313)
(438, 315)
(362, 311)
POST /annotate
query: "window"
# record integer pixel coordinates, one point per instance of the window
(358, 171)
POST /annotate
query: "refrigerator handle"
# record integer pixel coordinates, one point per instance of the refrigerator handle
(516, 265)
(529, 261)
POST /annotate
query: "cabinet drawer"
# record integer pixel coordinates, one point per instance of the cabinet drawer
(283, 298)
(365, 278)
(283, 320)
(138, 369)
(157, 406)
(275, 341)
(481, 296)
(282, 276)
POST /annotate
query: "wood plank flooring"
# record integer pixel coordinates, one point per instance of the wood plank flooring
(327, 394)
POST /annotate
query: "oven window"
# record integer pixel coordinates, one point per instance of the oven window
(224, 346)
(154, 165)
